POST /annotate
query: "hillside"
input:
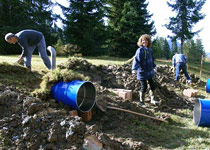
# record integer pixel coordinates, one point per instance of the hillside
(32, 119)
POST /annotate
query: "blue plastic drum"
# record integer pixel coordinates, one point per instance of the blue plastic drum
(201, 114)
(79, 95)
(208, 86)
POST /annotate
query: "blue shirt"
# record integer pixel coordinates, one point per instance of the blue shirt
(143, 62)
(178, 58)
(28, 38)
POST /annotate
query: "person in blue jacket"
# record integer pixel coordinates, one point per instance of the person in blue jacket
(143, 65)
(28, 41)
(179, 61)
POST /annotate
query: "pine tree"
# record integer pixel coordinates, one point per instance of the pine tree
(41, 18)
(16, 15)
(187, 15)
(157, 47)
(166, 50)
(128, 20)
(174, 48)
(194, 50)
(84, 26)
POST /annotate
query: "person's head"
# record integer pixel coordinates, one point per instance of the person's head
(145, 41)
(11, 38)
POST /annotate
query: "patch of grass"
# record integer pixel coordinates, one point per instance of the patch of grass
(196, 68)
(18, 76)
(106, 60)
(180, 133)
(36, 62)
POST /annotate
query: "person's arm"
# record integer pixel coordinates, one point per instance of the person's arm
(20, 61)
(185, 59)
(154, 65)
(136, 61)
(174, 62)
(24, 45)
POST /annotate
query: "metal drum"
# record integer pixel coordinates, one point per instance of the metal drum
(79, 95)
(201, 114)
(208, 86)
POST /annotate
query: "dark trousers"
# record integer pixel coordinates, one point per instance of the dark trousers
(182, 66)
(143, 84)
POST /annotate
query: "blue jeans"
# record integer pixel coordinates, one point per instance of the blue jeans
(41, 46)
(182, 66)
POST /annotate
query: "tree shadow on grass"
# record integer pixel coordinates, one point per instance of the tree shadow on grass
(19, 76)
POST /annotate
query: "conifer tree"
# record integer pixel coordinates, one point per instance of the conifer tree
(166, 49)
(187, 15)
(16, 15)
(174, 48)
(84, 26)
(157, 47)
(128, 20)
(194, 50)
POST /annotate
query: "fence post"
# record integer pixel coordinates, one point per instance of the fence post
(201, 66)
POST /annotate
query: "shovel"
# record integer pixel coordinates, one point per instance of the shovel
(102, 105)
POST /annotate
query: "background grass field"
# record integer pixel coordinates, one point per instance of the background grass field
(38, 65)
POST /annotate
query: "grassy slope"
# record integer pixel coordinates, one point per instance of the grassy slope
(180, 133)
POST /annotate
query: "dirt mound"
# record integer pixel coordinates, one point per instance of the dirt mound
(28, 122)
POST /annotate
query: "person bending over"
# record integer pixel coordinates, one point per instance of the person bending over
(29, 40)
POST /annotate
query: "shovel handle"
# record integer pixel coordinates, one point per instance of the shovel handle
(132, 112)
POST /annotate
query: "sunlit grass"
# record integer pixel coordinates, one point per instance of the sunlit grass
(180, 133)
(36, 62)
(105, 60)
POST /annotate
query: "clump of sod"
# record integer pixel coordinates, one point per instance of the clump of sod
(57, 75)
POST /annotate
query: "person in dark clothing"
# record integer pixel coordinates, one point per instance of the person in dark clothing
(28, 41)
(179, 61)
(143, 65)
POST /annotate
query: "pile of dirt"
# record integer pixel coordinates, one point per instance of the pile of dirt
(39, 122)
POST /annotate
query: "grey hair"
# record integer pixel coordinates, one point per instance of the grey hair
(8, 36)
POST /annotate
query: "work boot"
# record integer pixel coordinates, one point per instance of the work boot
(153, 96)
(142, 98)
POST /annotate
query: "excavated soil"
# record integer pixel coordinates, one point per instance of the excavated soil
(39, 122)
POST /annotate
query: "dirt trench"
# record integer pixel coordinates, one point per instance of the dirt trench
(39, 122)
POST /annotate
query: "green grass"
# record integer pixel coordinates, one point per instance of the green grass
(180, 133)
(196, 68)
(36, 63)
(105, 60)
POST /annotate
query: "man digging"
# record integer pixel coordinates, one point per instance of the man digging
(28, 41)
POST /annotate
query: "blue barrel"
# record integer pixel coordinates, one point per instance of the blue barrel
(79, 95)
(208, 86)
(201, 113)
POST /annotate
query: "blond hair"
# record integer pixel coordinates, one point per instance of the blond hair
(144, 37)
